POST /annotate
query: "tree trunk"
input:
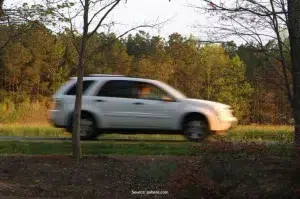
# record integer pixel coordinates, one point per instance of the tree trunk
(78, 102)
(294, 35)
(1, 8)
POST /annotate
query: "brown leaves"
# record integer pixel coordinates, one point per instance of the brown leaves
(190, 180)
(211, 174)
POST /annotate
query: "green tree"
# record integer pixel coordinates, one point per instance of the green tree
(156, 64)
(112, 58)
(224, 80)
(31, 63)
(185, 55)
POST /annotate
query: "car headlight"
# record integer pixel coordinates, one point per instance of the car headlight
(225, 114)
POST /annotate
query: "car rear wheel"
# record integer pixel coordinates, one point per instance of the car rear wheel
(88, 128)
(195, 129)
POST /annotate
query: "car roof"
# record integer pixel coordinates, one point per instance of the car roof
(103, 77)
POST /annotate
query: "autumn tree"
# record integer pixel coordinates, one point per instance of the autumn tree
(185, 56)
(32, 69)
(155, 63)
(111, 59)
(15, 14)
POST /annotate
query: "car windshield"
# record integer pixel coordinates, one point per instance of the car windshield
(172, 91)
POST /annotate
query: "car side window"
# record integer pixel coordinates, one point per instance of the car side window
(86, 85)
(151, 92)
(118, 88)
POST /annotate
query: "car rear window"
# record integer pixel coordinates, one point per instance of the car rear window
(86, 85)
(118, 88)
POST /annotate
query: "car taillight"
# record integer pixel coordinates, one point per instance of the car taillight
(56, 104)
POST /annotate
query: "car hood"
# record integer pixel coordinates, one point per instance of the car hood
(206, 103)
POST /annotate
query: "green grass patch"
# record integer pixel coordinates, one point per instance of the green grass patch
(92, 148)
(282, 134)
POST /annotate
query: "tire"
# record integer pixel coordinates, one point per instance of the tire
(195, 129)
(88, 128)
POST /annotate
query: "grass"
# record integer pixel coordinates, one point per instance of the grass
(92, 148)
(138, 148)
(282, 134)
(262, 133)
(33, 130)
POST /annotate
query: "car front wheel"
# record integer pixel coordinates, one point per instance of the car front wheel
(195, 129)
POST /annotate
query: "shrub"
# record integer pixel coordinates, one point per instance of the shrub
(23, 112)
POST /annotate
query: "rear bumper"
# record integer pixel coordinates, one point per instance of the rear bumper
(56, 119)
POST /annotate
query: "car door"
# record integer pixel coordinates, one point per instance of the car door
(157, 110)
(115, 101)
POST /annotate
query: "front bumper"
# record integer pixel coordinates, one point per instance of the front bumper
(234, 121)
(224, 126)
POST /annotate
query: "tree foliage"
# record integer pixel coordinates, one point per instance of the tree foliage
(38, 62)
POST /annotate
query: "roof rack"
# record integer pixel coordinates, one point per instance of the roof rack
(104, 75)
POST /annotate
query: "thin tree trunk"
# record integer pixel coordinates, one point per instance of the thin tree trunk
(1, 8)
(282, 57)
(294, 36)
(78, 102)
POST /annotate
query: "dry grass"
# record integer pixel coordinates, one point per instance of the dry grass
(24, 113)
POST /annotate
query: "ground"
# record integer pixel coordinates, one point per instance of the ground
(251, 162)
(220, 172)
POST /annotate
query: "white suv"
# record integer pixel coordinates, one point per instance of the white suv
(115, 103)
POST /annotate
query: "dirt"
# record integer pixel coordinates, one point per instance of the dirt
(121, 176)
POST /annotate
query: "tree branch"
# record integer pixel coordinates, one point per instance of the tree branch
(106, 6)
(103, 18)
(284, 65)
(115, 39)
(242, 9)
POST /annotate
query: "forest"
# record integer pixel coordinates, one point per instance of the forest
(36, 62)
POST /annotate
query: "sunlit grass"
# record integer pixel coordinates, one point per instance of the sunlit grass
(264, 133)
(239, 133)
(31, 130)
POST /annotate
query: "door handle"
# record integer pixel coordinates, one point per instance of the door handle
(100, 100)
(138, 103)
